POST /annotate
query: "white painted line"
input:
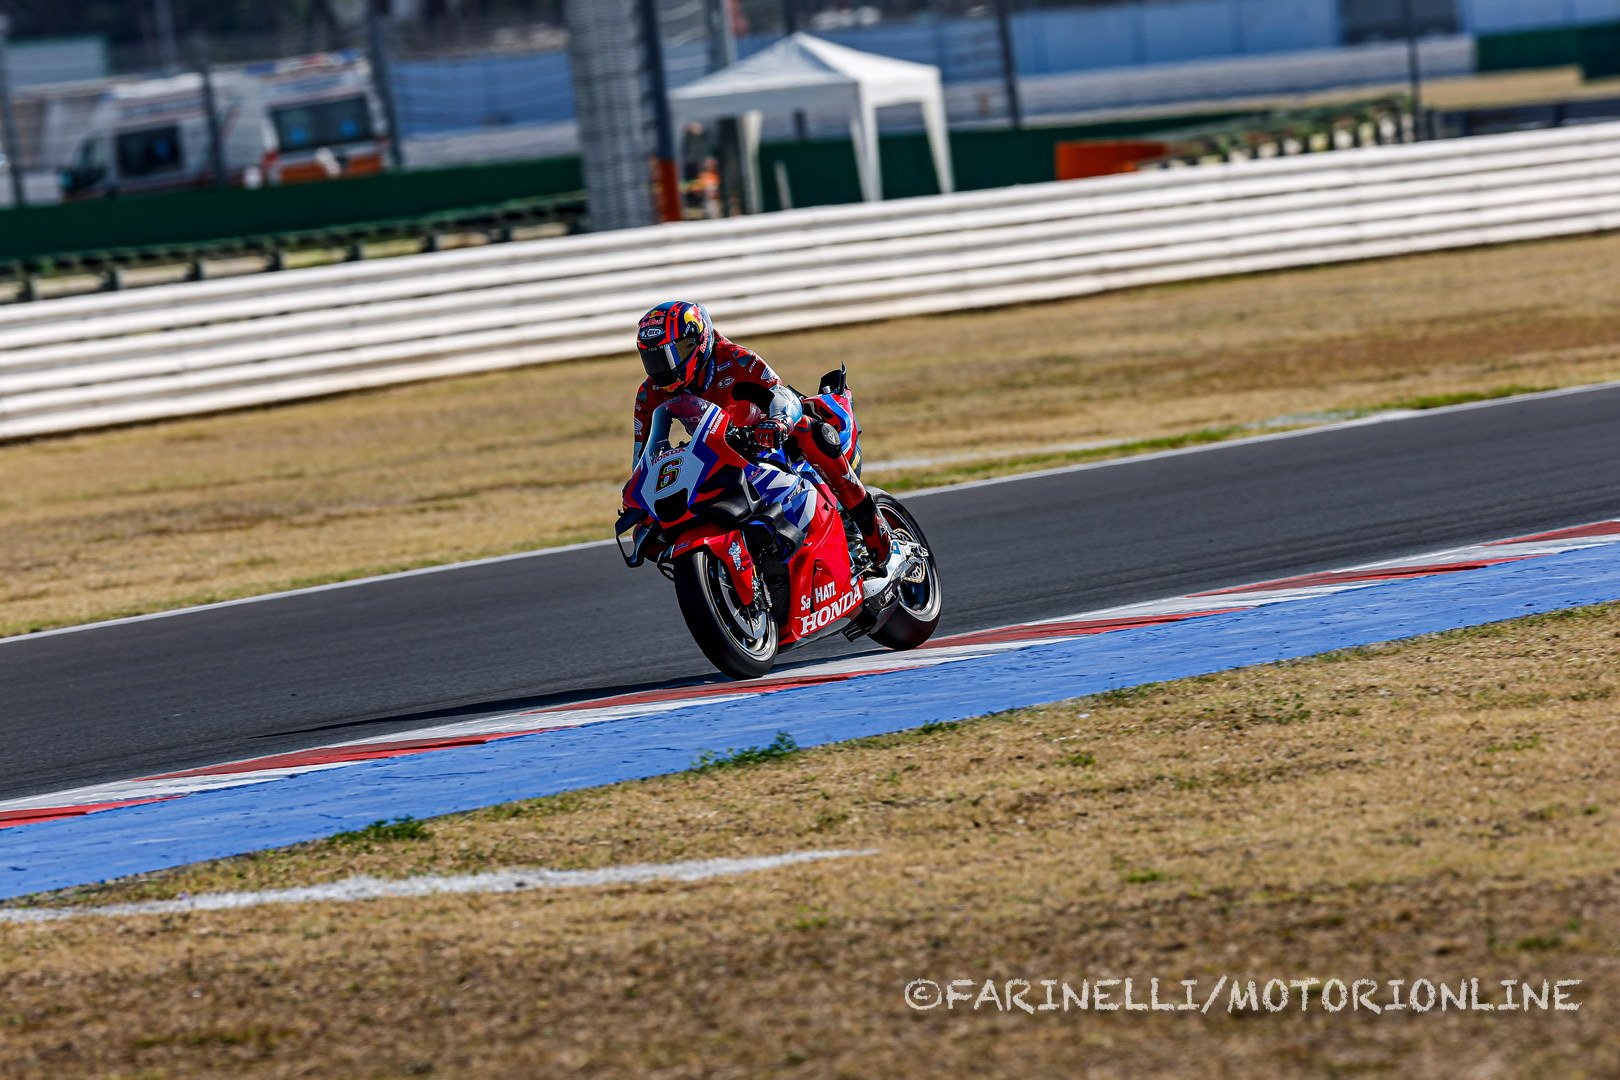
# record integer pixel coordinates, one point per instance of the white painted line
(1376, 418)
(498, 881)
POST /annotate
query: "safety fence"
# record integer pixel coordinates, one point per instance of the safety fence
(114, 358)
(36, 238)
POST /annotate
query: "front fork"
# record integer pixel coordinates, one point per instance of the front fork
(728, 547)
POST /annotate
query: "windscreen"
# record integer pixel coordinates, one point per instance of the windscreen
(324, 123)
(155, 150)
(689, 410)
(92, 155)
(89, 167)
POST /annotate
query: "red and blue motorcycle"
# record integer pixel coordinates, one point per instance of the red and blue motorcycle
(762, 556)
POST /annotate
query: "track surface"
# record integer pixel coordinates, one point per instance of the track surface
(214, 685)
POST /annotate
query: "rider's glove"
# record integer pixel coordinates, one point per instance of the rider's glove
(770, 433)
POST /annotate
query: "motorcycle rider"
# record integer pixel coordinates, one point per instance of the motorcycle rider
(683, 353)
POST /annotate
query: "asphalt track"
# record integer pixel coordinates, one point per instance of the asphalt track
(225, 683)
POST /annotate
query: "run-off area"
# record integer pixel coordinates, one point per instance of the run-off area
(1431, 810)
(1439, 808)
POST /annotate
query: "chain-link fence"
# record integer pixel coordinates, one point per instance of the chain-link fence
(490, 91)
(468, 82)
(497, 86)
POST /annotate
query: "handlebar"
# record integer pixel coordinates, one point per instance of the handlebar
(742, 440)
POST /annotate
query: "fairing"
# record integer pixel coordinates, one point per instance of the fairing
(685, 489)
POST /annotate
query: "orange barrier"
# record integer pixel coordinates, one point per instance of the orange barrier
(1080, 159)
(311, 171)
(667, 190)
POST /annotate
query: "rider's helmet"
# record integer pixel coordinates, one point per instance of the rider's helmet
(676, 341)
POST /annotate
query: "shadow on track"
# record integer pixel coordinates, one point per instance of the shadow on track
(501, 706)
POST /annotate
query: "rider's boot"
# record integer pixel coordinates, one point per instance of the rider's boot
(820, 445)
(874, 532)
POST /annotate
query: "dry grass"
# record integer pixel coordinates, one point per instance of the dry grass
(151, 517)
(1508, 88)
(1441, 808)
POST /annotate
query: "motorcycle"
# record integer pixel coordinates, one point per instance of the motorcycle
(762, 556)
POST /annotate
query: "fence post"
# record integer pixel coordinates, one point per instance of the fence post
(13, 141)
(216, 146)
(168, 53)
(382, 70)
(790, 26)
(1412, 70)
(668, 170)
(1009, 62)
(722, 39)
(606, 68)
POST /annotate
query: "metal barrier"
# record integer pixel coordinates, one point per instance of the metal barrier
(498, 221)
(172, 350)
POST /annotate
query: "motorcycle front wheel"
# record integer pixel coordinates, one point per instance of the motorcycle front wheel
(739, 641)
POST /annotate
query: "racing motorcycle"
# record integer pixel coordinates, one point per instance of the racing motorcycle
(762, 556)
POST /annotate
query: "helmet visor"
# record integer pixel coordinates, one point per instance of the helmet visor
(666, 365)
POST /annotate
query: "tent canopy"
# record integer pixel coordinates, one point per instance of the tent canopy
(804, 72)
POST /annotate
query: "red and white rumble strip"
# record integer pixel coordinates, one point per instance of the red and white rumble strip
(947, 650)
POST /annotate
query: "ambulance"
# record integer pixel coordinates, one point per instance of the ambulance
(288, 121)
(324, 115)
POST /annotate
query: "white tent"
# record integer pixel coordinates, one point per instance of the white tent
(804, 72)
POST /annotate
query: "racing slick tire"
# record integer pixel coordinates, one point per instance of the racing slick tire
(740, 642)
(917, 606)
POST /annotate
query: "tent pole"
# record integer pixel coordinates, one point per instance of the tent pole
(749, 124)
(939, 141)
(863, 132)
(667, 173)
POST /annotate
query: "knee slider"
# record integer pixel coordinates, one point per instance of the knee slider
(825, 436)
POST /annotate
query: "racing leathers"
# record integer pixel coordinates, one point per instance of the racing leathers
(732, 366)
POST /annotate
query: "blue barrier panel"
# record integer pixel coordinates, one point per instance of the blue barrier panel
(459, 93)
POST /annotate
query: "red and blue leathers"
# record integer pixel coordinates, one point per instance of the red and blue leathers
(717, 380)
(732, 365)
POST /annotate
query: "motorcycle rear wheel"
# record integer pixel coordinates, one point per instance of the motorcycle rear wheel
(917, 607)
(741, 644)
